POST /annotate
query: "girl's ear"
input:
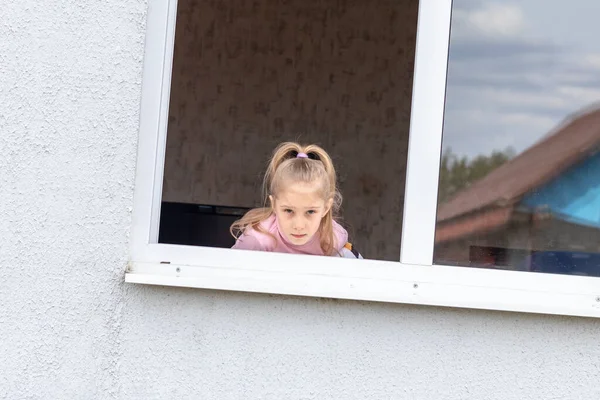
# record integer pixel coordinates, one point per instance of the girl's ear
(272, 201)
(328, 206)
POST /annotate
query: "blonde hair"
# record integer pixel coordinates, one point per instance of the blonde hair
(284, 168)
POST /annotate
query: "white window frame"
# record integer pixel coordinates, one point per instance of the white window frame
(413, 280)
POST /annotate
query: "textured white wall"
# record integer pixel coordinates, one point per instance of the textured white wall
(70, 77)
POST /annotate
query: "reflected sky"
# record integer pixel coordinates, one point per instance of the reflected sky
(517, 69)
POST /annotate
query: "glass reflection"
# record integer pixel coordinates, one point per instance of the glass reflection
(520, 172)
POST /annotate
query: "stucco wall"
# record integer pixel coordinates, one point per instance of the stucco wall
(70, 329)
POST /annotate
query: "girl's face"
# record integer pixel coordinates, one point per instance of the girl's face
(299, 210)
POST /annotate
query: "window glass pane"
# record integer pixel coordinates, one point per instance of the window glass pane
(520, 174)
(250, 75)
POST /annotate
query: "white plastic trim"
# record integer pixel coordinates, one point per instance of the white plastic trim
(165, 97)
(156, 84)
(426, 122)
(382, 281)
(150, 112)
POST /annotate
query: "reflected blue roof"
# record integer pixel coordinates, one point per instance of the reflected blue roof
(573, 196)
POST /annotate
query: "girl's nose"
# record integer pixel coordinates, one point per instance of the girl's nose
(298, 224)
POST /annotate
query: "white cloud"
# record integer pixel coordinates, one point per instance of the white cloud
(527, 121)
(493, 20)
(590, 60)
(576, 94)
(499, 97)
(490, 129)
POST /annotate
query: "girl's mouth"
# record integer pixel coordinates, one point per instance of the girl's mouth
(298, 236)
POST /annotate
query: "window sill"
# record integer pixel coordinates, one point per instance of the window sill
(408, 284)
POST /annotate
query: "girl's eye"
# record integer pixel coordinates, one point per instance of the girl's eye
(287, 211)
(310, 212)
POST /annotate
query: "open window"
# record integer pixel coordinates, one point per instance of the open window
(462, 135)
(247, 76)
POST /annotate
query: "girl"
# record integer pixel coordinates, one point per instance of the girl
(300, 186)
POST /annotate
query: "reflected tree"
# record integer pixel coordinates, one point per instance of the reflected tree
(457, 173)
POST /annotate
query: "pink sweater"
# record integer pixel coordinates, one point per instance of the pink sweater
(254, 240)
